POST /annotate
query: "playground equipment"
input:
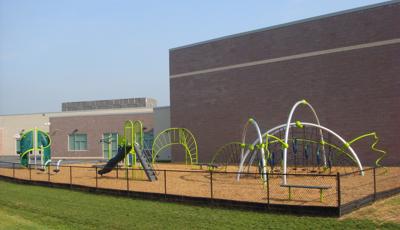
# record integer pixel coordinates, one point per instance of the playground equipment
(176, 136)
(36, 142)
(130, 149)
(228, 155)
(294, 146)
(133, 133)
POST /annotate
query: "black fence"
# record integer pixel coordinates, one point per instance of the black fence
(316, 194)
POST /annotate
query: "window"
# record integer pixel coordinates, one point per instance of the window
(77, 142)
(110, 140)
(148, 138)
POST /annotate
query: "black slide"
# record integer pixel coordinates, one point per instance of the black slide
(114, 161)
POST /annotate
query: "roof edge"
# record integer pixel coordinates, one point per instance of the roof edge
(289, 23)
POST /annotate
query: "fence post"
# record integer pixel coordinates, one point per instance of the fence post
(70, 176)
(48, 173)
(13, 166)
(374, 183)
(96, 176)
(127, 181)
(165, 183)
(211, 184)
(30, 172)
(268, 189)
(339, 198)
(117, 170)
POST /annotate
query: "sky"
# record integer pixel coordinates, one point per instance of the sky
(74, 50)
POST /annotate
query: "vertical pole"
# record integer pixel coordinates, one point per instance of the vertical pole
(268, 189)
(117, 170)
(374, 183)
(13, 166)
(211, 184)
(48, 172)
(35, 145)
(165, 183)
(339, 201)
(70, 176)
(96, 177)
(30, 172)
(127, 181)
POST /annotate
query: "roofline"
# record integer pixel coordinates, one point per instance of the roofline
(289, 23)
(162, 107)
(96, 112)
(113, 99)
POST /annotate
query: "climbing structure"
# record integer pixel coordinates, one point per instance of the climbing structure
(130, 150)
(133, 133)
(176, 136)
(37, 143)
(228, 156)
(294, 147)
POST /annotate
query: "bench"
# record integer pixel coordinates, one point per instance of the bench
(321, 189)
(209, 166)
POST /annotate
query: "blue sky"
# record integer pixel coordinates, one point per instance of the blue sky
(57, 51)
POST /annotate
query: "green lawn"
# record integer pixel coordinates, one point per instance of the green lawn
(35, 207)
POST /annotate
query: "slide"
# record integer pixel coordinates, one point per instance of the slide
(146, 163)
(114, 161)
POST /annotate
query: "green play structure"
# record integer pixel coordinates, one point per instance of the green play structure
(36, 142)
(133, 133)
(176, 136)
(130, 149)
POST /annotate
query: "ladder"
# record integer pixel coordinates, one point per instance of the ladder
(146, 163)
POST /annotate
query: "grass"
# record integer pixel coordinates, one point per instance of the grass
(380, 212)
(35, 207)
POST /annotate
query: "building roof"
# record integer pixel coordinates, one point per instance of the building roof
(289, 23)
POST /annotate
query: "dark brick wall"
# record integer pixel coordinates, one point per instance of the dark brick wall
(354, 92)
(365, 26)
(94, 127)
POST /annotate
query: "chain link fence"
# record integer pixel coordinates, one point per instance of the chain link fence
(343, 192)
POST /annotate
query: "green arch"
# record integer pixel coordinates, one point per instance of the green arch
(133, 133)
(227, 154)
(176, 136)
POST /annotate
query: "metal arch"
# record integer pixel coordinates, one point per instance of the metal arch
(136, 135)
(221, 151)
(302, 102)
(181, 137)
(263, 161)
(293, 124)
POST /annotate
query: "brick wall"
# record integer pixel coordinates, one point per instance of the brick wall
(94, 127)
(354, 92)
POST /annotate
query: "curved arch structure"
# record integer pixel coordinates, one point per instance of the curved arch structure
(287, 129)
(34, 140)
(176, 136)
(293, 124)
(133, 133)
(260, 142)
(228, 154)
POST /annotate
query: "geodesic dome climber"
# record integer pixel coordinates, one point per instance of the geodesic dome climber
(294, 147)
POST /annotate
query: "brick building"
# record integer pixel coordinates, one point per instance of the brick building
(346, 64)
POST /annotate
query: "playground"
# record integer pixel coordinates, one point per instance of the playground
(296, 163)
